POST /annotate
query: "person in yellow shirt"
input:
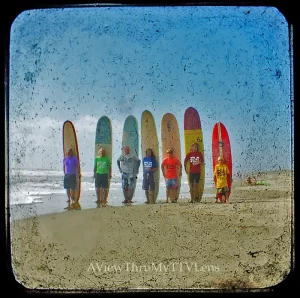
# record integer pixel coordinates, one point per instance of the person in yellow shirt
(221, 174)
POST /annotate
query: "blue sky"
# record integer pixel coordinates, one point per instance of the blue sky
(230, 63)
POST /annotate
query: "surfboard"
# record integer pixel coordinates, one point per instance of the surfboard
(149, 139)
(260, 182)
(192, 134)
(170, 138)
(103, 138)
(70, 141)
(221, 147)
(131, 138)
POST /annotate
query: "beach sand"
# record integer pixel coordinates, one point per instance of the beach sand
(244, 244)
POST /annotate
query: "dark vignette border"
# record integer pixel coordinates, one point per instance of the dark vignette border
(14, 7)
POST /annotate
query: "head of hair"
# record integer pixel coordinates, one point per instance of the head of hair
(152, 154)
(197, 145)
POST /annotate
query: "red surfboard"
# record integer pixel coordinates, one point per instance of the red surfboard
(221, 147)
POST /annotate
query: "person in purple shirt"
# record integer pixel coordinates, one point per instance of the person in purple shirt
(71, 168)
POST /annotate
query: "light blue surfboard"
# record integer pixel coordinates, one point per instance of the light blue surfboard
(103, 138)
(131, 138)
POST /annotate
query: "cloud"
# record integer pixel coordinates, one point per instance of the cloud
(39, 144)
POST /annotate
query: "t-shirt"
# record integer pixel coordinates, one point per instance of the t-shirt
(170, 165)
(102, 164)
(129, 163)
(149, 163)
(195, 159)
(70, 164)
(221, 171)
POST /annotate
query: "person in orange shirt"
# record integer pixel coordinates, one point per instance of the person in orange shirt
(171, 168)
(221, 176)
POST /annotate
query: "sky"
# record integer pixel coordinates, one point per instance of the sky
(230, 63)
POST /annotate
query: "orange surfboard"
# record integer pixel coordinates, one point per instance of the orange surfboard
(149, 139)
(170, 138)
(70, 141)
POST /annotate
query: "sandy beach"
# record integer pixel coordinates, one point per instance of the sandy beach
(244, 244)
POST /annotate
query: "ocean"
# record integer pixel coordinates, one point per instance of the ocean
(37, 192)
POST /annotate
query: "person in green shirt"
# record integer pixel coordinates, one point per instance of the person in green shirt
(102, 174)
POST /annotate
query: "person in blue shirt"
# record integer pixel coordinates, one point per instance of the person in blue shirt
(149, 167)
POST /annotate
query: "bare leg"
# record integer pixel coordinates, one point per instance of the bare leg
(227, 198)
(151, 196)
(196, 192)
(105, 195)
(167, 194)
(218, 196)
(69, 195)
(129, 198)
(125, 190)
(101, 195)
(192, 193)
(72, 193)
(147, 196)
(172, 194)
(98, 195)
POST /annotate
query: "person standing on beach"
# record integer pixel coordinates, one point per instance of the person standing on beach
(195, 159)
(102, 174)
(71, 168)
(149, 167)
(221, 176)
(128, 165)
(171, 169)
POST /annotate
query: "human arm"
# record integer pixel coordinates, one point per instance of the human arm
(185, 162)
(110, 175)
(119, 165)
(78, 168)
(154, 165)
(180, 168)
(64, 166)
(95, 168)
(138, 164)
(163, 169)
(215, 176)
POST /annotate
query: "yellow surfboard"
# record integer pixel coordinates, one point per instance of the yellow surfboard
(193, 134)
(149, 139)
(70, 141)
(170, 138)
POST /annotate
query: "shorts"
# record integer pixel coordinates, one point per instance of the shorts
(70, 181)
(171, 183)
(128, 181)
(194, 177)
(148, 181)
(223, 190)
(101, 180)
